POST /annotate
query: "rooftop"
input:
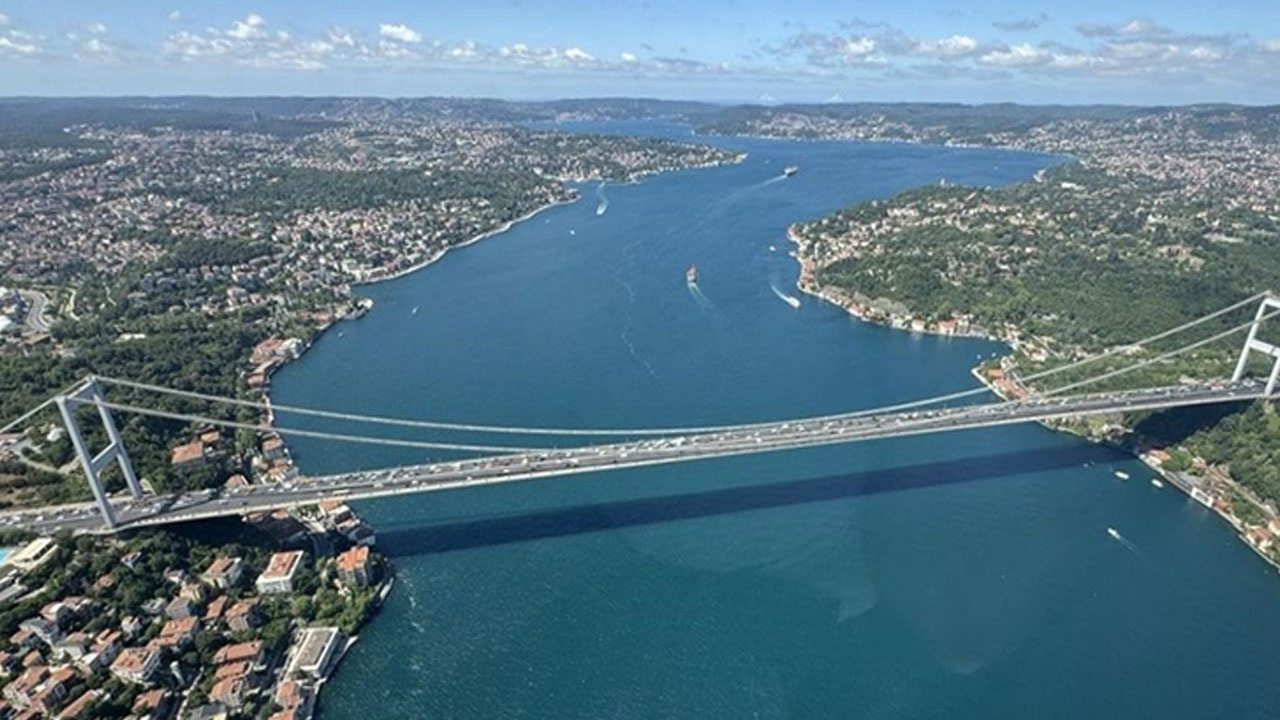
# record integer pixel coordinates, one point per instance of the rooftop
(282, 565)
(354, 558)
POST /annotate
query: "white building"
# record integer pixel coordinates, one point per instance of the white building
(280, 572)
(314, 651)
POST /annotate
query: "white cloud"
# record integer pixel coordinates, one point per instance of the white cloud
(338, 36)
(1271, 45)
(627, 57)
(248, 27)
(948, 46)
(1020, 55)
(14, 45)
(4, 19)
(1135, 26)
(399, 32)
(1201, 52)
(96, 28)
(99, 50)
(246, 42)
(859, 46)
(577, 55)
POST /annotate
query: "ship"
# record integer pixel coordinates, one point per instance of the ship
(790, 170)
(1115, 534)
(691, 275)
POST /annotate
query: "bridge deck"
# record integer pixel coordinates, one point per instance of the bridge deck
(765, 437)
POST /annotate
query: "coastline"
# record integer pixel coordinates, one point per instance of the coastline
(1066, 157)
(365, 304)
(504, 227)
(806, 283)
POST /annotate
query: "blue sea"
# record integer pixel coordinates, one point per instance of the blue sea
(964, 575)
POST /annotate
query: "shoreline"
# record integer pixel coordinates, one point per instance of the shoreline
(366, 304)
(806, 284)
(504, 227)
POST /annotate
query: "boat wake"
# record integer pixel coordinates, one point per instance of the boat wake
(625, 334)
(791, 300)
(1125, 542)
(603, 206)
(699, 297)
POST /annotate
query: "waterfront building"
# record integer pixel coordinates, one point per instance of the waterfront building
(313, 651)
(353, 566)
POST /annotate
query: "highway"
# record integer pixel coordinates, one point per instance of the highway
(744, 440)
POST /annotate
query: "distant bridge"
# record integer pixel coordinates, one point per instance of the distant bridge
(647, 446)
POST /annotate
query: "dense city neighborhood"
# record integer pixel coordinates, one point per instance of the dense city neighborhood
(158, 625)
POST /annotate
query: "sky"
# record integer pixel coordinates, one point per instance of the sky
(1084, 51)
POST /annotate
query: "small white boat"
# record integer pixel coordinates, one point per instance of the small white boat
(773, 249)
(1156, 482)
(415, 310)
(573, 232)
(1115, 534)
(1122, 475)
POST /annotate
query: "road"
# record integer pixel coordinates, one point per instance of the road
(764, 437)
(38, 305)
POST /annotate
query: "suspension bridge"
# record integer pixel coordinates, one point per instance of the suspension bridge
(603, 449)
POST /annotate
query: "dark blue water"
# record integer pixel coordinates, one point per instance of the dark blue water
(954, 576)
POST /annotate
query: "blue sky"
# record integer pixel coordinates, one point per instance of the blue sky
(1131, 51)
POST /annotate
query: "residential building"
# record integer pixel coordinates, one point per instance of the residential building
(280, 572)
(353, 566)
(243, 616)
(246, 651)
(136, 665)
(180, 607)
(224, 572)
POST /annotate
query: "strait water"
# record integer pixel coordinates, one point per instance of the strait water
(964, 575)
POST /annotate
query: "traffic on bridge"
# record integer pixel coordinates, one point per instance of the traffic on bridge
(747, 439)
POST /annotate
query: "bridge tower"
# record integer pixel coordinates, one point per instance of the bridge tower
(90, 393)
(1252, 343)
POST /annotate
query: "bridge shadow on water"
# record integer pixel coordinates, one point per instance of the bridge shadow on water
(409, 537)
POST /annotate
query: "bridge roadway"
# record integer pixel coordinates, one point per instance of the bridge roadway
(763, 437)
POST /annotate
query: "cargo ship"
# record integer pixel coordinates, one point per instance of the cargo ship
(691, 275)
(790, 170)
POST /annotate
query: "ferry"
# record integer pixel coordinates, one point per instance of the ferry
(1122, 475)
(1115, 534)
(691, 275)
(790, 170)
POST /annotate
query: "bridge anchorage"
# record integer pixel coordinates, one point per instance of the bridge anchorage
(631, 447)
